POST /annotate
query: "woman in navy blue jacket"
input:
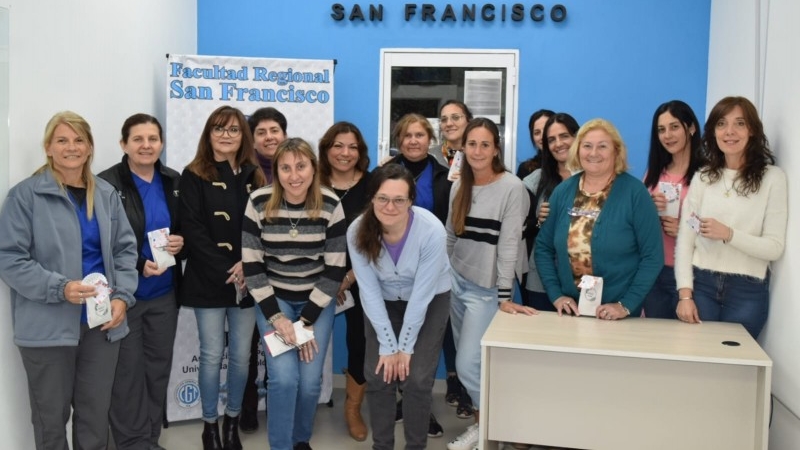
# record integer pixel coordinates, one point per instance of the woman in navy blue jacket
(149, 192)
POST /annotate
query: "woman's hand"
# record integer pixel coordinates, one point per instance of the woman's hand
(403, 365)
(670, 225)
(174, 244)
(285, 328)
(714, 230)
(389, 365)
(660, 200)
(510, 307)
(118, 309)
(237, 276)
(544, 211)
(306, 352)
(347, 282)
(566, 305)
(151, 269)
(611, 311)
(76, 292)
(687, 311)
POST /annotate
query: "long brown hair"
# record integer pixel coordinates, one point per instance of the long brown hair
(462, 202)
(203, 164)
(326, 143)
(313, 204)
(82, 128)
(757, 154)
(368, 235)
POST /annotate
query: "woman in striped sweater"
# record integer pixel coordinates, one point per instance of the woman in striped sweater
(293, 251)
(484, 230)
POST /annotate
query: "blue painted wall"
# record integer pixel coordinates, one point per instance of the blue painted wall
(616, 59)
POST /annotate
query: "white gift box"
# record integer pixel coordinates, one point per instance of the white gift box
(591, 295)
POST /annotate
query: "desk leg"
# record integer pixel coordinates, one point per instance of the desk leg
(764, 401)
(486, 413)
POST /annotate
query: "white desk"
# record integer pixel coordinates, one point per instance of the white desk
(632, 384)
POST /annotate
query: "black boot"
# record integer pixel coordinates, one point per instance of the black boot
(211, 437)
(230, 433)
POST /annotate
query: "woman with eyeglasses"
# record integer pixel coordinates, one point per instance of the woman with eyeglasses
(488, 212)
(400, 262)
(413, 134)
(453, 120)
(454, 115)
(294, 253)
(214, 189)
(343, 167)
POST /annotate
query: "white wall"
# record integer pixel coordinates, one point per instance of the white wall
(104, 60)
(752, 53)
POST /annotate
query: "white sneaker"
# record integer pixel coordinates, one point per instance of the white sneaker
(467, 440)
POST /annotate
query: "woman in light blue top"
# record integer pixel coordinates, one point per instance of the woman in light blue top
(398, 252)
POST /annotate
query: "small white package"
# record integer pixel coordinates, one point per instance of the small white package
(455, 166)
(277, 346)
(591, 295)
(159, 239)
(348, 302)
(672, 191)
(98, 307)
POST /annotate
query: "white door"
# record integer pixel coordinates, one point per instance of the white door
(420, 80)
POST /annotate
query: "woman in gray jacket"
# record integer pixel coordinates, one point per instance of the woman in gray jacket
(59, 226)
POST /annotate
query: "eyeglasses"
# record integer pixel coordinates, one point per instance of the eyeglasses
(451, 118)
(283, 341)
(398, 202)
(218, 131)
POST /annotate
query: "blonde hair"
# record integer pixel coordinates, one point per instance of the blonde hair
(79, 125)
(299, 148)
(621, 154)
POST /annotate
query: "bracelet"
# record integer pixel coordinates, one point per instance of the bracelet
(730, 236)
(627, 311)
(275, 317)
(347, 277)
(685, 298)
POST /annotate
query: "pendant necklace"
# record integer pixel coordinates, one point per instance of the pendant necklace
(346, 191)
(727, 189)
(293, 232)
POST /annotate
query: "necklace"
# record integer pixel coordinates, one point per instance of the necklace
(476, 194)
(727, 189)
(293, 232)
(595, 194)
(347, 190)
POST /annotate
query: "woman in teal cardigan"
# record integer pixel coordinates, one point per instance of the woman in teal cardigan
(603, 223)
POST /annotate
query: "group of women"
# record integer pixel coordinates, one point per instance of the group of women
(273, 237)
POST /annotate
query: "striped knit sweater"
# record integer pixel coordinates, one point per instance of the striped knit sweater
(491, 250)
(310, 266)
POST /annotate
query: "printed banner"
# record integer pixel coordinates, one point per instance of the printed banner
(301, 89)
(196, 85)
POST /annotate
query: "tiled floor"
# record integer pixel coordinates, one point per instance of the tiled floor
(330, 432)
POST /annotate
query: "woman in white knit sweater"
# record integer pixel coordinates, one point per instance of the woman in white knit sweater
(734, 222)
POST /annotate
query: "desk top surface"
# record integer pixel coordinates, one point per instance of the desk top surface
(632, 337)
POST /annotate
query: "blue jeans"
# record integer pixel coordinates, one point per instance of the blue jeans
(293, 386)
(211, 330)
(662, 300)
(472, 308)
(725, 297)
